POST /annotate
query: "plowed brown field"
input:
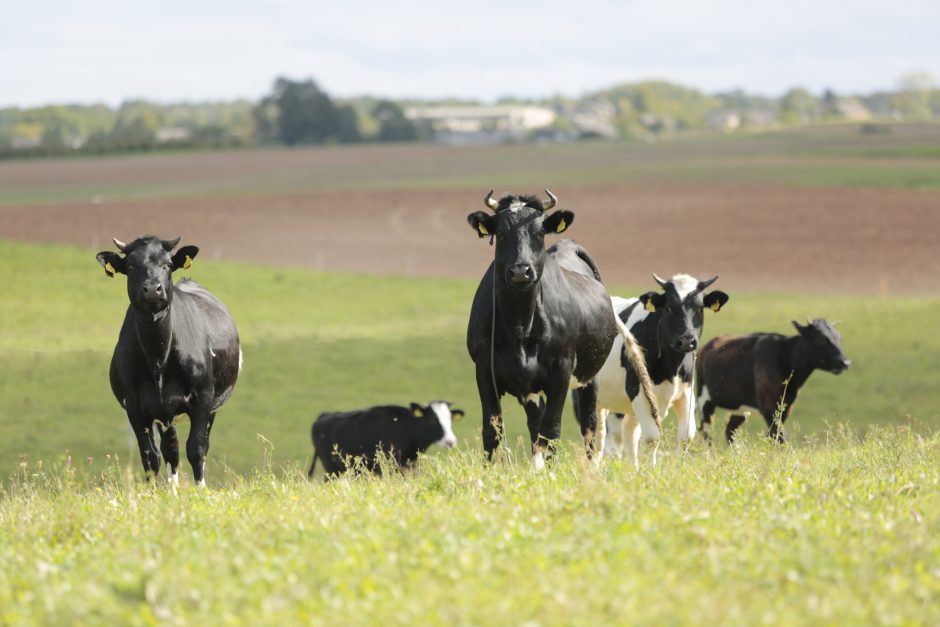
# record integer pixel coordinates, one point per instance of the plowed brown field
(759, 238)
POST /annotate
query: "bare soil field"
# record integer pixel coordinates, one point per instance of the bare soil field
(758, 238)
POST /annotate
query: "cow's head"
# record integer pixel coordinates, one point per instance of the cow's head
(519, 224)
(438, 417)
(149, 266)
(682, 305)
(822, 344)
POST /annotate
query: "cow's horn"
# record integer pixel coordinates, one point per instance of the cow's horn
(170, 244)
(703, 284)
(120, 245)
(662, 283)
(488, 200)
(552, 199)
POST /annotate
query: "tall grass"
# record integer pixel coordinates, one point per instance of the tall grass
(836, 533)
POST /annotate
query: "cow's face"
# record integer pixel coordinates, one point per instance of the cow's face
(682, 306)
(442, 416)
(823, 344)
(149, 267)
(519, 225)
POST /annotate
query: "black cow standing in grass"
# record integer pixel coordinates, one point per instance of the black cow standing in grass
(541, 322)
(399, 433)
(762, 370)
(177, 352)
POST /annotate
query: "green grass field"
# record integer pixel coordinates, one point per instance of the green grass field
(316, 342)
(837, 528)
(842, 532)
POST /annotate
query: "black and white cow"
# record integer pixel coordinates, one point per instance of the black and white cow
(177, 352)
(400, 433)
(667, 326)
(762, 370)
(540, 322)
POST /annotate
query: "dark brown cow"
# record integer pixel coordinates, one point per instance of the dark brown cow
(761, 370)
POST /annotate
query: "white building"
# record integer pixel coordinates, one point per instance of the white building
(482, 124)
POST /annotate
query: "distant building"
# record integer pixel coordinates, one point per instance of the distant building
(596, 118)
(725, 121)
(853, 110)
(482, 124)
(170, 134)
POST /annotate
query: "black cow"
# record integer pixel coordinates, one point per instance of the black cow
(761, 370)
(177, 352)
(540, 323)
(667, 326)
(400, 433)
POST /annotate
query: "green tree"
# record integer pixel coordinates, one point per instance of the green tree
(305, 114)
(393, 125)
(798, 105)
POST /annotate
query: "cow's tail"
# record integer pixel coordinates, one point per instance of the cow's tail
(638, 362)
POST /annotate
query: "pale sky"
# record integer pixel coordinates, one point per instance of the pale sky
(59, 51)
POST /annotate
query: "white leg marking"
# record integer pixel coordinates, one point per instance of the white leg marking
(538, 461)
(600, 436)
(685, 415)
(631, 440)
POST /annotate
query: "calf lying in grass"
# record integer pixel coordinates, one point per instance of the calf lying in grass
(398, 433)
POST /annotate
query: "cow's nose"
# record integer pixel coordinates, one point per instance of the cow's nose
(686, 344)
(521, 273)
(450, 442)
(846, 363)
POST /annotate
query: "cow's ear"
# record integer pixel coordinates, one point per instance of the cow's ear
(715, 300)
(483, 223)
(558, 222)
(797, 326)
(416, 410)
(111, 262)
(183, 258)
(653, 301)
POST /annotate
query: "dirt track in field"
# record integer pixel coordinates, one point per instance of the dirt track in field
(758, 239)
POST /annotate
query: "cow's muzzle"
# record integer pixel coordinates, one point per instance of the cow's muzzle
(152, 297)
(521, 274)
(685, 344)
(841, 366)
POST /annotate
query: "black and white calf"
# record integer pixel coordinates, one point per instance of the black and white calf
(667, 326)
(177, 352)
(762, 370)
(400, 433)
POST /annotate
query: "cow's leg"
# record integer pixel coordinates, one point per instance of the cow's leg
(614, 443)
(586, 413)
(149, 457)
(734, 422)
(197, 444)
(600, 438)
(550, 426)
(170, 447)
(685, 418)
(649, 430)
(707, 409)
(492, 412)
(630, 434)
(534, 407)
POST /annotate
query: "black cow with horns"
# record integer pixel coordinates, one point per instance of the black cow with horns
(177, 352)
(541, 322)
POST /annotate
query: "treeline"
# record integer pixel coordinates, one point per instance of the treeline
(300, 112)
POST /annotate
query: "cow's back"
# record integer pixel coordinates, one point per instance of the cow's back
(359, 433)
(729, 367)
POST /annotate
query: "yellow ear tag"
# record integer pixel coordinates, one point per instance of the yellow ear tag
(716, 305)
(561, 226)
(109, 268)
(417, 413)
(650, 307)
(483, 229)
(187, 263)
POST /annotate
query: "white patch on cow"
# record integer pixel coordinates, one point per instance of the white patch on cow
(684, 284)
(613, 441)
(516, 205)
(534, 397)
(174, 477)
(241, 360)
(446, 418)
(211, 352)
(538, 461)
(684, 404)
